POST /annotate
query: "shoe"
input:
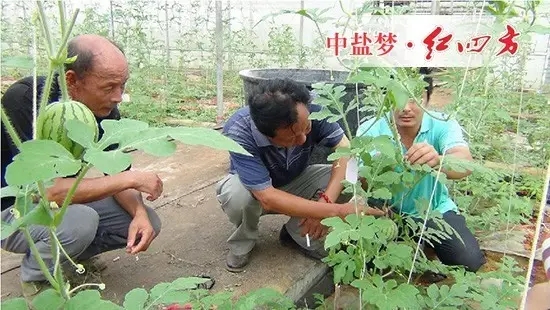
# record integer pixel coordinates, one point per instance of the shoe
(236, 263)
(286, 239)
(32, 288)
(430, 277)
(94, 265)
(206, 285)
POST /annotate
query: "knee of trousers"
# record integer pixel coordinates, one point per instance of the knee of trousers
(79, 226)
(236, 200)
(471, 259)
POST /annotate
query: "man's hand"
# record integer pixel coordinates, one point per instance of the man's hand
(140, 228)
(149, 183)
(350, 206)
(313, 227)
(422, 153)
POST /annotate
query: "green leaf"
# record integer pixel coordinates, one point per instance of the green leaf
(8, 191)
(367, 77)
(344, 270)
(332, 239)
(110, 162)
(333, 222)
(398, 255)
(14, 304)
(540, 29)
(220, 301)
(48, 299)
(166, 293)
(334, 118)
(89, 300)
(22, 62)
(36, 216)
(153, 141)
(321, 115)
(407, 177)
(41, 160)
(70, 60)
(135, 299)
(353, 220)
(366, 228)
(264, 298)
(384, 145)
(399, 93)
(116, 130)
(382, 193)
(175, 292)
(388, 178)
(433, 291)
(503, 115)
(339, 153)
(80, 133)
(206, 137)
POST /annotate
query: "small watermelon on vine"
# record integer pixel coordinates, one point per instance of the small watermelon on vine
(51, 123)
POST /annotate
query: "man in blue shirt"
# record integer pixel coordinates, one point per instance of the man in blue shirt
(275, 128)
(426, 139)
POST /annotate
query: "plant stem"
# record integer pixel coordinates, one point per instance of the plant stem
(11, 130)
(46, 90)
(69, 258)
(60, 56)
(396, 136)
(39, 259)
(70, 194)
(340, 108)
(61, 17)
(58, 273)
(45, 29)
(100, 285)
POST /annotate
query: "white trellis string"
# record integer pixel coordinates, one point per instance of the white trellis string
(441, 162)
(426, 218)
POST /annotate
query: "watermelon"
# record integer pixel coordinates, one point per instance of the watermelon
(388, 230)
(51, 123)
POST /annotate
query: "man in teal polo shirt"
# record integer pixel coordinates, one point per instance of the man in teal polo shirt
(425, 139)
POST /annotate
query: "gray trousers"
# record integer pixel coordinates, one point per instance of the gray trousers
(244, 211)
(86, 230)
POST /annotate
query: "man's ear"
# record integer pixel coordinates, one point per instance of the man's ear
(71, 79)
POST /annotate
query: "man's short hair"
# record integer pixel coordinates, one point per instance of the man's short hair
(85, 57)
(273, 104)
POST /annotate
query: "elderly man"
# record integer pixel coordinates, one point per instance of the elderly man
(275, 128)
(107, 212)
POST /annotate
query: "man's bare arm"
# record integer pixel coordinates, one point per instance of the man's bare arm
(93, 189)
(131, 201)
(275, 200)
(338, 173)
(140, 228)
(462, 152)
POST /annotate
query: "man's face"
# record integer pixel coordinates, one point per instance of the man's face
(411, 115)
(100, 89)
(297, 133)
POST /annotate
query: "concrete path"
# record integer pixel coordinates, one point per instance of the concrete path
(193, 238)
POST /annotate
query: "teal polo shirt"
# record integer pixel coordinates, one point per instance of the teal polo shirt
(442, 135)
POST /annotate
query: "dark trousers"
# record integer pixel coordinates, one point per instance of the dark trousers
(453, 251)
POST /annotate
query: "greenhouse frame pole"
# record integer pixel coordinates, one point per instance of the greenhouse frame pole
(219, 62)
